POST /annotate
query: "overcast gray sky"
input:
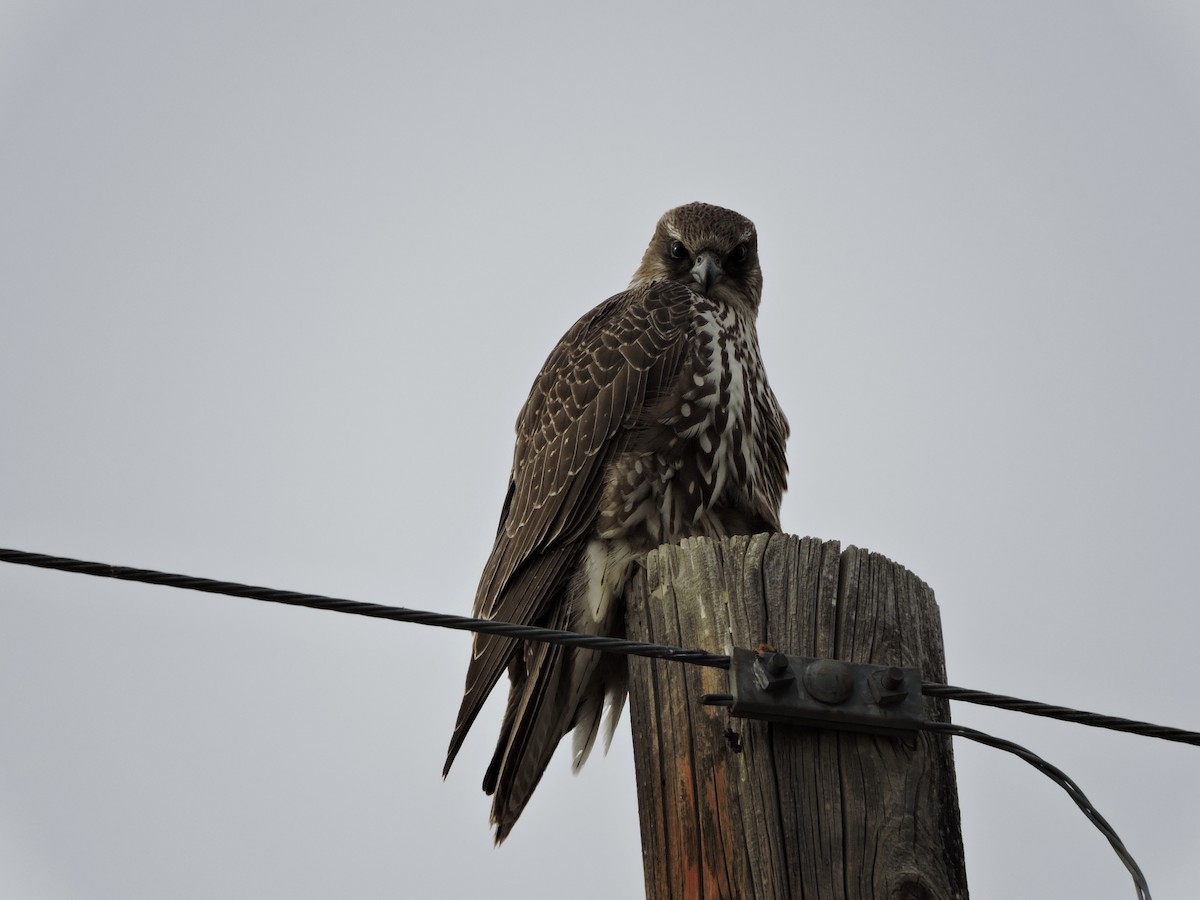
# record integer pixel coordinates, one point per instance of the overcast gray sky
(276, 278)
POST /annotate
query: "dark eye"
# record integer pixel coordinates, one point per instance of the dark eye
(739, 253)
(678, 251)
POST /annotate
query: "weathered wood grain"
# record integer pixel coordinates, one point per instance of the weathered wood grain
(797, 813)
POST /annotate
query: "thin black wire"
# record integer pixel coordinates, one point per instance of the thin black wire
(1062, 779)
(373, 610)
(1063, 713)
(550, 635)
(656, 651)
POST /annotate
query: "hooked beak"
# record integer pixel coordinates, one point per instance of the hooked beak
(707, 271)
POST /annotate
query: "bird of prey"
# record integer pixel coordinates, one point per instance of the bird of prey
(651, 421)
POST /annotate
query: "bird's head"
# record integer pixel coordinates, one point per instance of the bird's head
(711, 250)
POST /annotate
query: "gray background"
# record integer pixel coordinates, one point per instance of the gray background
(276, 278)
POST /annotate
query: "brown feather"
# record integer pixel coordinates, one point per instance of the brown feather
(553, 514)
(650, 420)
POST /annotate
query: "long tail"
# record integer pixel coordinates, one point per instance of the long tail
(537, 717)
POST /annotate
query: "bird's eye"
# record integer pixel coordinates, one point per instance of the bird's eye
(678, 251)
(739, 253)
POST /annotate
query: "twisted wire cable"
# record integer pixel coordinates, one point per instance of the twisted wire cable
(553, 636)
(373, 610)
(656, 651)
(1063, 713)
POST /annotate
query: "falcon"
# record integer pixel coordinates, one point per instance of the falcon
(650, 422)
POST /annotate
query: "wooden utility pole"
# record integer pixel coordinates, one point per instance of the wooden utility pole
(792, 812)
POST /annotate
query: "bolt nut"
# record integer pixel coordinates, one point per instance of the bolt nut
(777, 663)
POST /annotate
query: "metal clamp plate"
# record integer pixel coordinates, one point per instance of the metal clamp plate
(826, 693)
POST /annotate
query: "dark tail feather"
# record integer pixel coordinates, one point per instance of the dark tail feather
(531, 591)
(534, 722)
(494, 653)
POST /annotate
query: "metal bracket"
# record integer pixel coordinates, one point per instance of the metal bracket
(825, 693)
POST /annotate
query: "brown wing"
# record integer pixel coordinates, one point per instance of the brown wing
(580, 414)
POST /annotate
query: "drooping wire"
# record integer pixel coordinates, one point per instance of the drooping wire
(1060, 778)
